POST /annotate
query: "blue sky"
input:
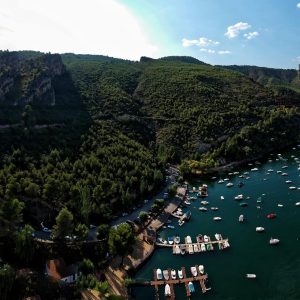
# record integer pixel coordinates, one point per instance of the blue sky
(254, 32)
(274, 27)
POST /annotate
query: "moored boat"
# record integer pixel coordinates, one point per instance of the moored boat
(191, 287)
(271, 216)
(201, 269)
(217, 218)
(218, 236)
(202, 208)
(180, 275)
(159, 275)
(274, 241)
(214, 208)
(251, 276)
(170, 240)
(199, 238)
(204, 202)
(177, 239)
(203, 248)
(173, 274)
(182, 250)
(167, 290)
(194, 271)
(241, 218)
(259, 229)
(229, 184)
(166, 274)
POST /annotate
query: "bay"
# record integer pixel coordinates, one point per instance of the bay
(277, 267)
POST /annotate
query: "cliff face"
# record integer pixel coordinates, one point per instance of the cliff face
(24, 81)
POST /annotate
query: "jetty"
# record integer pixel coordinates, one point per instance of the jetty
(185, 280)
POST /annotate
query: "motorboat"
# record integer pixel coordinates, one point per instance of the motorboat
(226, 179)
(177, 239)
(214, 208)
(182, 250)
(226, 244)
(173, 274)
(187, 202)
(218, 236)
(241, 218)
(217, 218)
(221, 181)
(239, 197)
(288, 181)
(274, 241)
(201, 269)
(191, 287)
(199, 238)
(259, 229)
(209, 247)
(204, 202)
(206, 238)
(171, 226)
(243, 204)
(177, 249)
(166, 274)
(202, 208)
(167, 290)
(271, 216)
(203, 248)
(297, 203)
(280, 205)
(171, 240)
(236, 173)
(180, 275)
(270, 170)
(191, 249)
(222, 197)
(229, 184)
(284, 167)
(292, 188)
(284, 174)
(251, 276)
(188, 240)
(203, 190)
(194, 271)
(159, 275)
(254, 169)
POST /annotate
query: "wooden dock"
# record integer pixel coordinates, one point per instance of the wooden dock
(185, 280)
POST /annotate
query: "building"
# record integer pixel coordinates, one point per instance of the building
(57, 270)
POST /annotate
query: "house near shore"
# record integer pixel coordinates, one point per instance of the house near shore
(57, 270)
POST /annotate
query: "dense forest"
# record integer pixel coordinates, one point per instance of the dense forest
(87, 137)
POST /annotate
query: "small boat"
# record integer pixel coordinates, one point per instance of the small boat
(226, 179)
(188, 240)
(214, 208)
(170, 240)
(177, 249)
(270, 170)
(199, 238)
(239, 197)
(180, 275)
(194, 189)
(202, 208)
(279, 172)
(226, 244)
(206, 238)
(284, 174)
(191, 287)
(284, 167)
(217, 218)
(187, 202)
(297, 203)
(292, 188)
(167, 290)
(171, 226)
(194, 271)
(241, 218)
(221, 181)
(254, 169)
(271, 216)
(251, 276)
(177, 239)
(243, 204)
(201, 269)
(173, 274)
(191, 249)
(259, 229)
(159, 275)
(280, 205)
(229, 184)
(236, 173)
(274, 241)
(288, 181)
(166, 274)
(203, 249)
(218, 236)
(222, 197)
(204, 202)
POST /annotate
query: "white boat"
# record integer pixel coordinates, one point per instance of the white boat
(217, 218)
(280, 205)
(177, 239)
(201, 269)
(218, 236)
(177, 249)
(206, 238)
(229, 184)
(203, 248)
(292, 188)
(241, 218)
(284, 174)
(166, 274)
(226, 179)
(278, 172)
(191, 287)
(173, 274)
(226, 244)
(270, 170)
(236, 173)
(254, 169)
(167, 290)
(191, 249)
(188, 239)
(297, 203)
(222, 197)
(274, 241)
(159, 275)
(221, 181)
(204, 202)
(251, 276)
(194, 271)
(239, 197)
(259, 229)
(284, 167)
(214, 208)
(187, 202)
(180, 275)
(288, 181)
(202, 208)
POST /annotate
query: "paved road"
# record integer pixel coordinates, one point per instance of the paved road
(171, 179)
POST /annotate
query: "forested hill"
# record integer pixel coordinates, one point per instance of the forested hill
(115, 123)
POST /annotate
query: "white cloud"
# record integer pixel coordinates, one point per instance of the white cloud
(201, 42)
(251, 35)
(207, 50)
(99, 27)
(224, 52)
(298, 5)
(234, 30)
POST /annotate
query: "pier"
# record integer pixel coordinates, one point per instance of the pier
(185, 280)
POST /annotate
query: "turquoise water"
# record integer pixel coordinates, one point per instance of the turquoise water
(277, 267)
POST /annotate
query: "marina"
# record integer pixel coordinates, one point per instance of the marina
(239, 224)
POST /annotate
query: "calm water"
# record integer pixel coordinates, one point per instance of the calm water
(277, 267)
